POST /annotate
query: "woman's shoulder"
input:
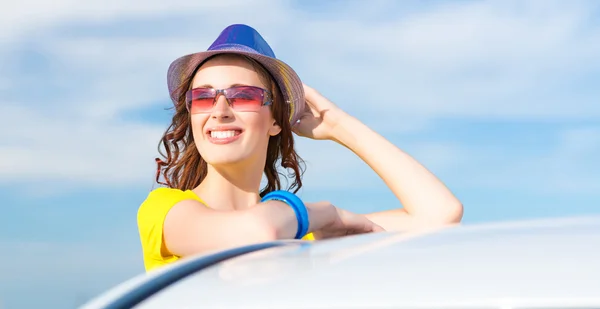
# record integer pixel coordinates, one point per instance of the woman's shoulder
(164, 198)
(164, 192)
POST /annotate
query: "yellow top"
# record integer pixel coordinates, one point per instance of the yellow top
(151, 216)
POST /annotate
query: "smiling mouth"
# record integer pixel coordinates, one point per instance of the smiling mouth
(224, 134)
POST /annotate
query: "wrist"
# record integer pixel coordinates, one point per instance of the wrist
(300, 211)
(321, 214)
(345, 128)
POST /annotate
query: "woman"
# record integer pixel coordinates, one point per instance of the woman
(237, 107)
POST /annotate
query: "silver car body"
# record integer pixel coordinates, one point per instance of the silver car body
(549, 263)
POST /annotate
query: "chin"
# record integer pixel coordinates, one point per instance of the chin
(224, 161)
(233, 153)
(224, 155)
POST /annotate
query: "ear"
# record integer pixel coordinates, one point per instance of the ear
(274, 129)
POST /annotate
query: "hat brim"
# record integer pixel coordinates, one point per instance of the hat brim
(286, 78)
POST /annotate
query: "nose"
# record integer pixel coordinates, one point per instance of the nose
(221, 109)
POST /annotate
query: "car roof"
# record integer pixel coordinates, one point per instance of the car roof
(528, 263)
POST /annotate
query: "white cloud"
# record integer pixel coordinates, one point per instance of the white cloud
(79, 138)
(121, 75)
(23, 17)
(74, 150)
(474, 59)
(469, 59)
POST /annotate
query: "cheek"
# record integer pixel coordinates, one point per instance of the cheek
(197, 123)
(257, 123)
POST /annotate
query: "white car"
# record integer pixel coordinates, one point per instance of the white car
(552, 263)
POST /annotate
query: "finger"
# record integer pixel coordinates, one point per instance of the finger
(302, 118)
(307, 108)
(371, 227)
(358, 231)
(311, 109)
(307, 112)
(377, 228)
(310, 104)
(296, 130)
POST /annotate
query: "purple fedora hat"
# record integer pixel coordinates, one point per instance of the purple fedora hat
(244, 40)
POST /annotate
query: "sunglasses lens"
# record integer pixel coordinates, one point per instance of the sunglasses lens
(200, 100)
(245, 99)
(241, 99)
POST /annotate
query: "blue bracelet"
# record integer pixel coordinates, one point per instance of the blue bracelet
(297, 205)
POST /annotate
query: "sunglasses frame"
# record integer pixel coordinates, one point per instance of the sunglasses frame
(267, 96)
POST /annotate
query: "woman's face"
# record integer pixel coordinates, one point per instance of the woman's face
(223, 135)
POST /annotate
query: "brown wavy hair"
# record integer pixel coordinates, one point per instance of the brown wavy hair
(184, 168)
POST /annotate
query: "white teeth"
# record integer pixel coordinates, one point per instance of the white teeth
(222, 134)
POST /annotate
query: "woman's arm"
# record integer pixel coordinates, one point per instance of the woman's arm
(427, 201)
(191, 228)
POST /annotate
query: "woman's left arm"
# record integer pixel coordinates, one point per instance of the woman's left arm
(427, 201)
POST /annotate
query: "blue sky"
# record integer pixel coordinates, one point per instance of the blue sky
(497, 98)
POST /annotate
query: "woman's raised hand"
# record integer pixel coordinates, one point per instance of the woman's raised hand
(320, 117)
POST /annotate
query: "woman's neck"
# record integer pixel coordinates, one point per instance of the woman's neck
(231, 187)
